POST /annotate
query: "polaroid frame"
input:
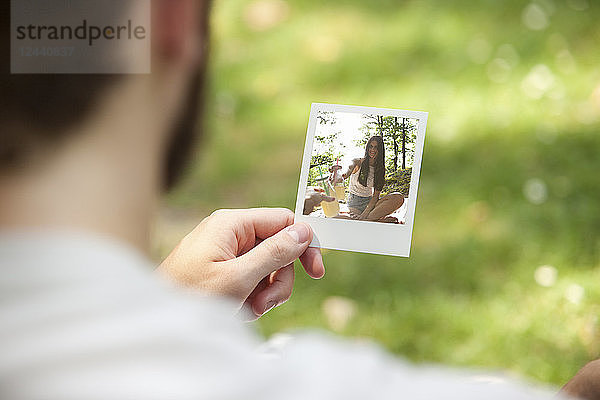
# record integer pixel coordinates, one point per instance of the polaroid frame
(362, 236)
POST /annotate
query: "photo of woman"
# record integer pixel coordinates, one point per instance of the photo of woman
(367, 178)
(360, 167)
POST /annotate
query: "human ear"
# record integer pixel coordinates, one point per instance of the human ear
(176, 26)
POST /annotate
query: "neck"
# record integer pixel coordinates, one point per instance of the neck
(105, 180)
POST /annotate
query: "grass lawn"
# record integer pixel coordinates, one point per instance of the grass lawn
(505, 267)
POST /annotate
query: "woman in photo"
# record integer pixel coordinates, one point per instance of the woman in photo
(367, 178)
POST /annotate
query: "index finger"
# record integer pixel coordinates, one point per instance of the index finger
(312, 261)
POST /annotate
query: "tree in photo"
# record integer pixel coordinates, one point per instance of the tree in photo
(327, 146)
(399, 137)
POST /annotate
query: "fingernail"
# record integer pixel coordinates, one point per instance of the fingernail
(270, 305)
(299, 232)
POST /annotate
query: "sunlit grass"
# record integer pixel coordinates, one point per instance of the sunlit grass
(467, 295)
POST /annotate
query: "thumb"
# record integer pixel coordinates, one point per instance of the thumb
(275, 252)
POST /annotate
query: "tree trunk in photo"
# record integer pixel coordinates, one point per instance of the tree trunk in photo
(395, 139)
(403, 144)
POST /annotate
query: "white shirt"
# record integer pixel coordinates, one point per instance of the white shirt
(84, 317)
(356, 188)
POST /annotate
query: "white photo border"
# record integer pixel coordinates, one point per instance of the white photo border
(362, 236)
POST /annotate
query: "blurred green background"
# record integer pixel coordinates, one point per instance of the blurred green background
(505, 267)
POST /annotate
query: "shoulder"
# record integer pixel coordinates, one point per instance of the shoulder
(356, 163)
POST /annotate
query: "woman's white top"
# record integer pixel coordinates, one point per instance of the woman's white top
(357, 189)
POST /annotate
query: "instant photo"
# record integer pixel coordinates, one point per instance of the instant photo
(359, 179)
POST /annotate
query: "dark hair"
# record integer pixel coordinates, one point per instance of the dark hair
(379, 165)
(39, 111)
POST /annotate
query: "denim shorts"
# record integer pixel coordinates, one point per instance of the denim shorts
(357, 202)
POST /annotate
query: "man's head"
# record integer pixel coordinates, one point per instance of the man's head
(94, 152)
(39, 114)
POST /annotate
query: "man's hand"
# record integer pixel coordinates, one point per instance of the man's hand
(247, 255)
(586, 383)
(314, 197)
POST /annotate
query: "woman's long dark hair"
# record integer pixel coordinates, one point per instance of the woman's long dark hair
(379, 165)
